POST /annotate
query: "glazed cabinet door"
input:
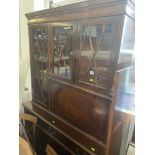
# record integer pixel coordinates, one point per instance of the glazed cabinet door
(63, 50)
(96, 54)
(39, 63)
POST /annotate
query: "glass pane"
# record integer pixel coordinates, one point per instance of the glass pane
(95, 53)
(62, 50)
(39, 64)
(40, 90)
(39, 36)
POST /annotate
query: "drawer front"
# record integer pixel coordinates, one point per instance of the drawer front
(87, 112)
(87, 142)
(43, 125)
(68, 143)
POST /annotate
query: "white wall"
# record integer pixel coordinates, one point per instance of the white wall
(25, 6)
(39, 4)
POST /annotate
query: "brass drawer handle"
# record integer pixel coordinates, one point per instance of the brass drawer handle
(93, 149)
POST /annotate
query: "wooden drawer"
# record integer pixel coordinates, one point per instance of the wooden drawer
(68, 143)
(80, 138)
(77, 149)
(43, 125)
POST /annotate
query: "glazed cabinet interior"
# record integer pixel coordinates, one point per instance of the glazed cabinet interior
(75, 59)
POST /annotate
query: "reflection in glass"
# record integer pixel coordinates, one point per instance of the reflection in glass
(127, 43)
(39, 36)
(95, 53)
(39, 64)
(40, 80)
(62, 50)
(40, 90)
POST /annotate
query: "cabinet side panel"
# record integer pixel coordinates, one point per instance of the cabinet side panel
(124, 110)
